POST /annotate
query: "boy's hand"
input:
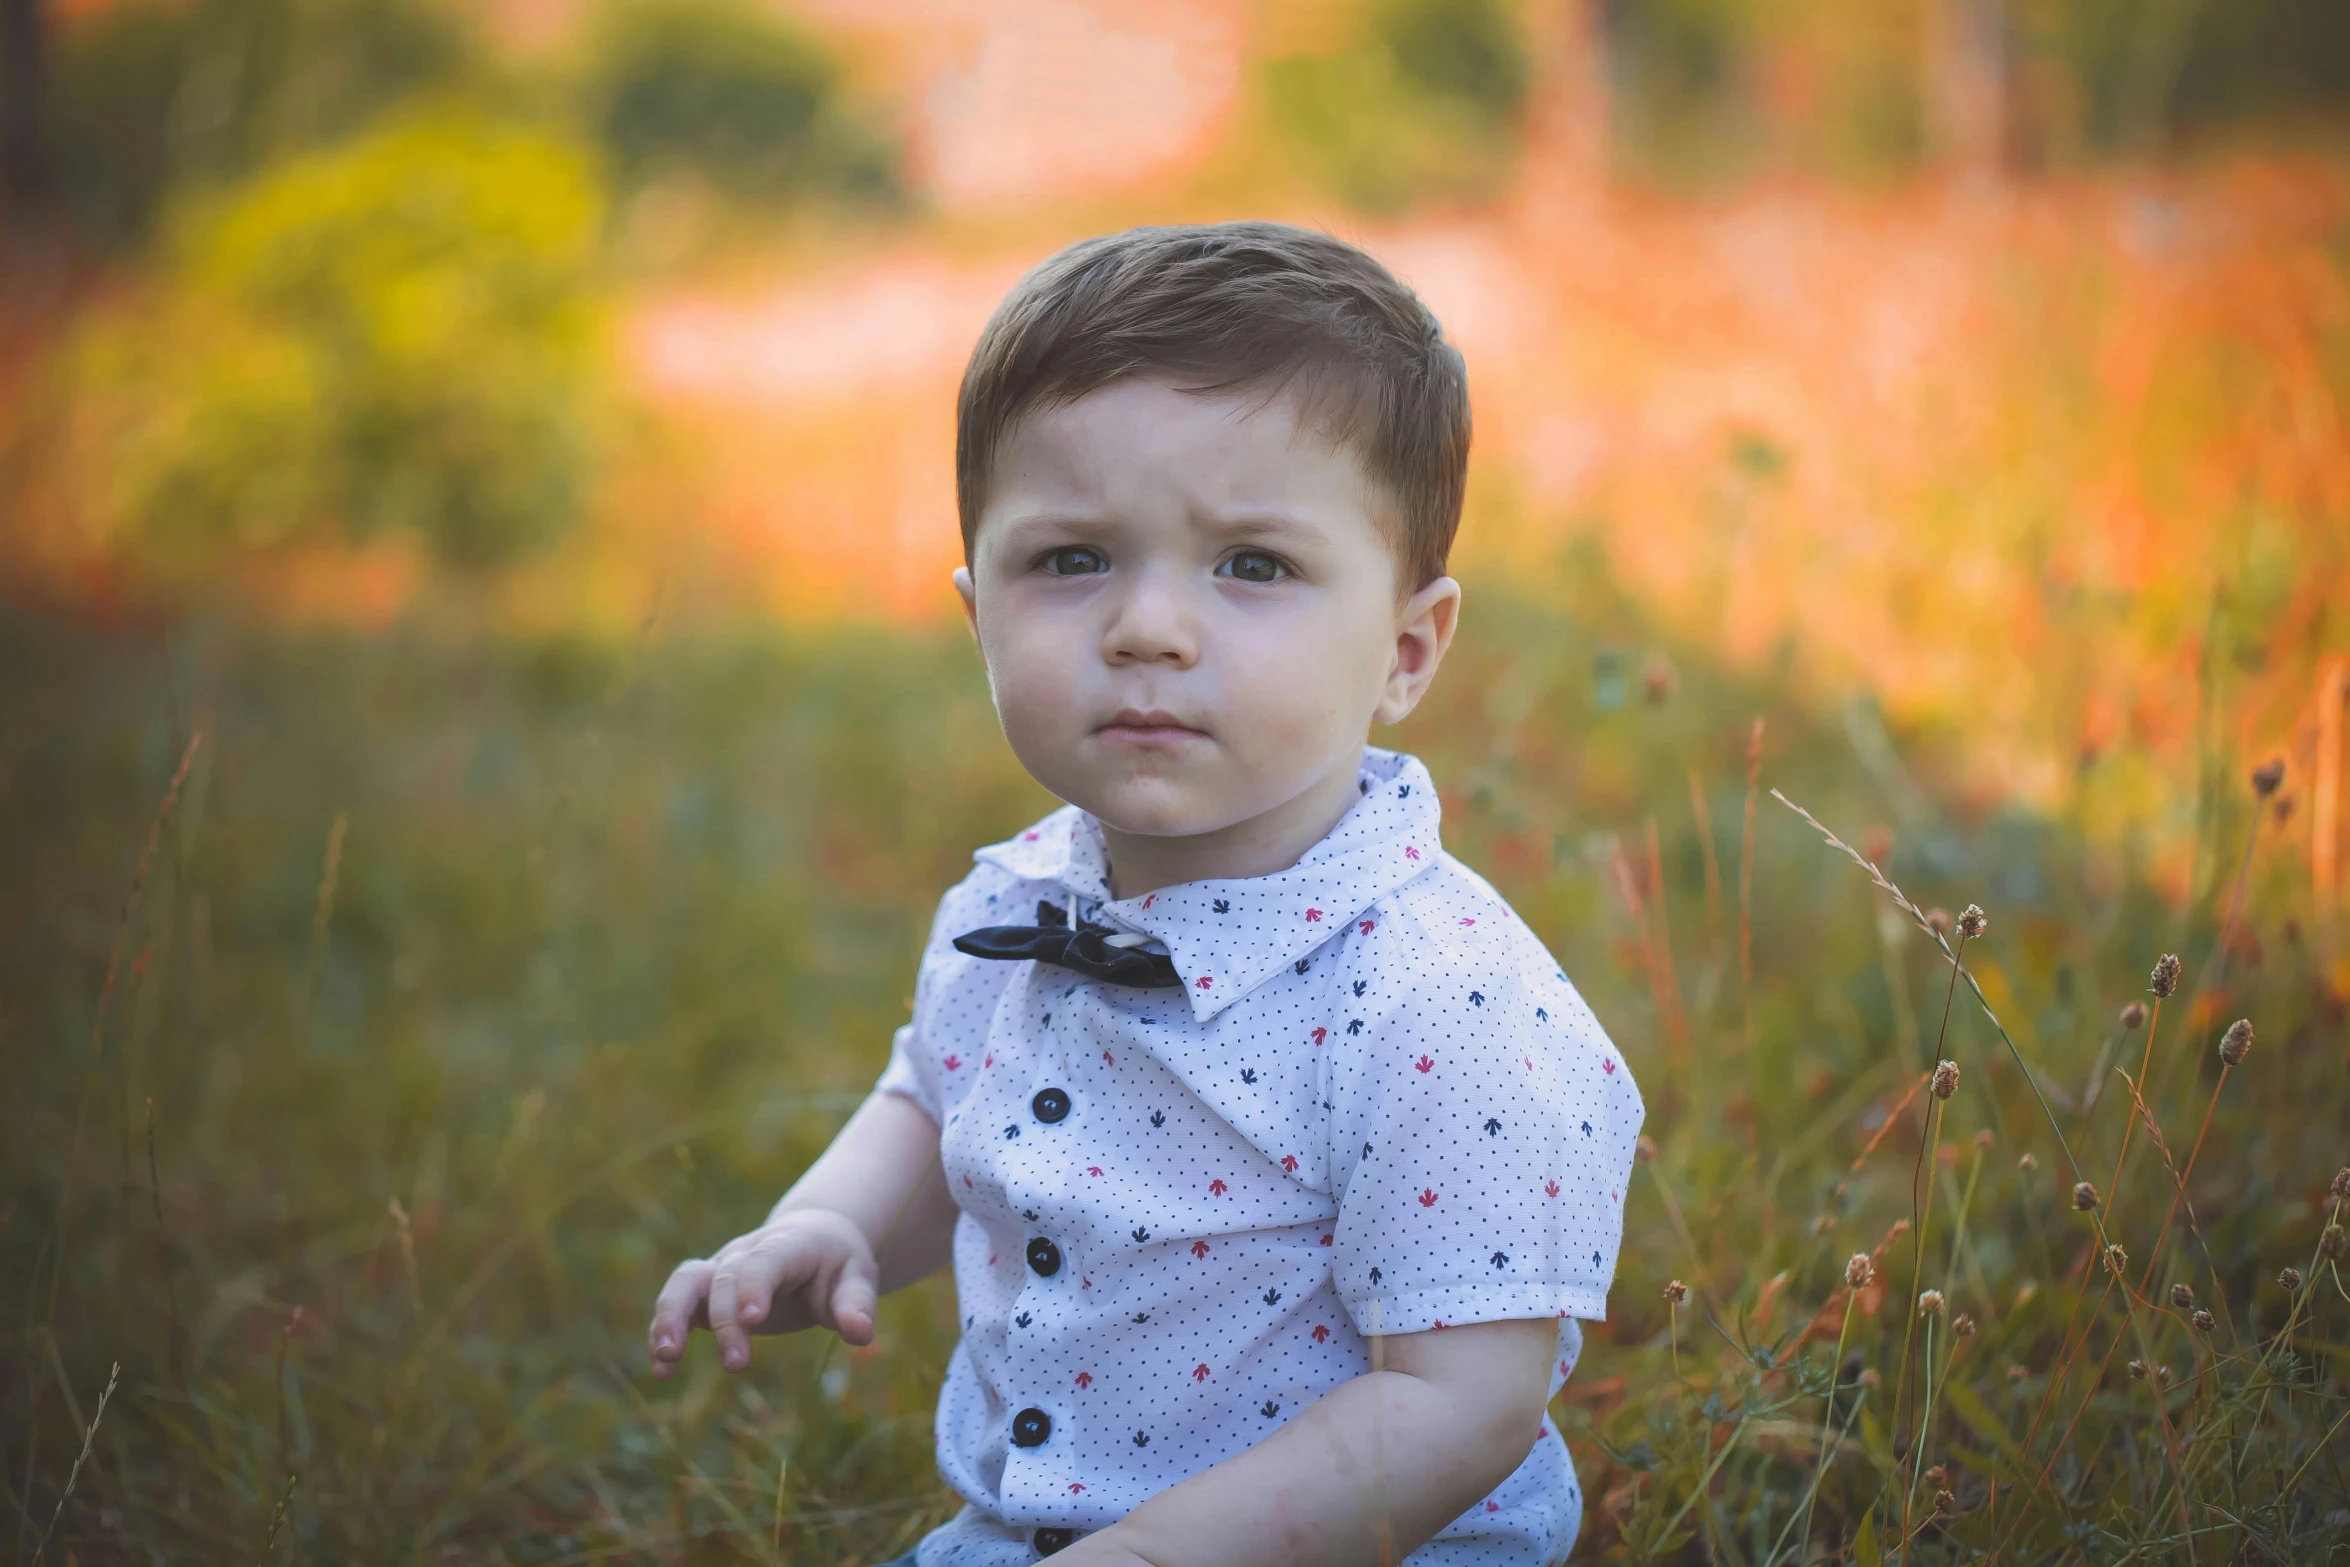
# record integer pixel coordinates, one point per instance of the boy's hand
(810, 1267)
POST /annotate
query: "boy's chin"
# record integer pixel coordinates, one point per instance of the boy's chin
(1158, 807)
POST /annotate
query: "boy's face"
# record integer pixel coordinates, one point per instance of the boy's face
(1189, 614)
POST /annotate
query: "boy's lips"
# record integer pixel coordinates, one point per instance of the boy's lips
(1149, 728)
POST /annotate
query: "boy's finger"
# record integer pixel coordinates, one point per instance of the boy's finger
(760, 1274)
(734, 1345)
(853, 1297)
(674, 1310)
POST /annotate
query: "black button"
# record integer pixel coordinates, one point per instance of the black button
(1044, 1257)
(1051, 1540)
(1050, 1105)
(1030, 1427)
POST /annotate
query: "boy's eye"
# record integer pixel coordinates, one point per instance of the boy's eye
(1252, 566)
(1075, 561)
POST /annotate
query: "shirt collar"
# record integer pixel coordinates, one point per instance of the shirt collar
(1228, 937)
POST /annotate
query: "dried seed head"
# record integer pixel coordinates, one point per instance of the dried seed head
(2267, 776)
(2166, 975)
(1872, 1378)
(2181, 1296)
(2203, 1319)
(1972, 922)
(1644, 1149)
(1929, 1303)
(1945, 1079)
(1938, 921)
(2084, 1197)
(1938, 1477)
(2137, 1370)
(2116, 1259)
(1823, 1224)
(2026, 1163)
(1984, 1139)
(2236, 1043)
(2134, 1016)
(1860, 1272)
(2329, 1240)
(1676, 1292)
(2016, 1373)
(2340, 1190)
(2290, 1278)
(1963, 1325)
(1945, 1502)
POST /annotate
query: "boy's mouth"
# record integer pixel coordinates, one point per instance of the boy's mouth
(1137, 727)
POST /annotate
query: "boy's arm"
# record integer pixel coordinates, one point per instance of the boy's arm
(872, 1214)
(882, 1172)
(1368, 1472)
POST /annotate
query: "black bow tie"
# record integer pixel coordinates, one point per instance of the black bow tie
(1083, 949)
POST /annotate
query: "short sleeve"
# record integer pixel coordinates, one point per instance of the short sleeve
(903, 1076)
(1483, 1130)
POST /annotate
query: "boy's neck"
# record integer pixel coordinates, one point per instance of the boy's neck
(1261, 845)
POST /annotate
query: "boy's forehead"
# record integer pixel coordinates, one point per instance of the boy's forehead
(1222, 448)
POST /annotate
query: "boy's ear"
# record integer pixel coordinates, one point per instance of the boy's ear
(1424, 628)
(970, 600)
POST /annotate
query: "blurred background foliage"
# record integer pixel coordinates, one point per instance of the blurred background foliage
(499, 456)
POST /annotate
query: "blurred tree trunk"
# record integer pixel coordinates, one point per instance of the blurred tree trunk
(1568, 117)
(24, 162)
(1965, 68)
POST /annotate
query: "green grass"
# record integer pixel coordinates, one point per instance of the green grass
(366, 1176)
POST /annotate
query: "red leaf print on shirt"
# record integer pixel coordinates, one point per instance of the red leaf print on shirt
(1410, 853)
(1325, 1240)
(966, 1180)
(1153, 898)
(1199, 1373)
(1289, 1161)
(1466, 922)
(1216, 1188)
(1319, 1034)
(1109, 1059)
(1529, 1060)
(1313, 916)
(1028, 837)
(991, 1257)
(1550, 1188)
(1427, 1198)
(1076, 1485)
(1493, 1507)
(1093, 1169)
(1366, 926)
(1608, 1066)
(1199, 1248)
(1204, 981)
(954, 1063)
(1085, 1379)
(1321, 1333)
(1085, 1281)
(1424, 1063)
(1562, 1368)
(990, 1061)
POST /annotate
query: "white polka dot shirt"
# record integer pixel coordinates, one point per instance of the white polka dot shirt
(1374, 1105)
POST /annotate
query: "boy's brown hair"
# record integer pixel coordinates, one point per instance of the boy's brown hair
(1226, 306)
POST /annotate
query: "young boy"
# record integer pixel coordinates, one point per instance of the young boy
(1277, 1158)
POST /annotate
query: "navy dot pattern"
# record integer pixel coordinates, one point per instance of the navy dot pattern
(1376, 1105)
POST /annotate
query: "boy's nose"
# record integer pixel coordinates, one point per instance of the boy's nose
(1151, 624)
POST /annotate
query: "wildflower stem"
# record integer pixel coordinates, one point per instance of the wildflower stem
(1917, 1266)
(1827, 1417)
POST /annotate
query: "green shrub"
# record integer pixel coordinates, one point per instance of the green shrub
(148, 96)
(735, 97)
(1426, 103)
(399, 335)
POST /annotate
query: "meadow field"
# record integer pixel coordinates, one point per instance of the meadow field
(463, 986)
(483, 730)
